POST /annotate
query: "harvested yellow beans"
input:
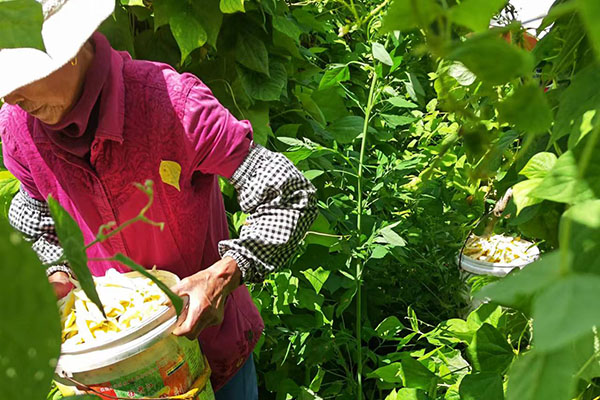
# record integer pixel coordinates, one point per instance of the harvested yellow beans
(127, 303)
(499, 249)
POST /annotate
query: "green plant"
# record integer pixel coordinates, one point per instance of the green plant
(411, 118)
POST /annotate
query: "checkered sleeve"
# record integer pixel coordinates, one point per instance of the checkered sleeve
(281, 204)
(32, 218)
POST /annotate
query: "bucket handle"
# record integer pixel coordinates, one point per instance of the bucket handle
(198, 385)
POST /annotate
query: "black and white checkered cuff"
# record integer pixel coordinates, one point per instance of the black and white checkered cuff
(32, 218)
(281, 204)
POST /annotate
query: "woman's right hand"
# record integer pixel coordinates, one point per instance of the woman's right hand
(60, 283)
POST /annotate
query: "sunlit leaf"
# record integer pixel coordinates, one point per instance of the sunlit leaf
(21, 24)
(232, 6)
(381, 54)
(188, 32)
(539, 165)
(331, 77)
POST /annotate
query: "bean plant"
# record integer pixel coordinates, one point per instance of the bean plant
(412, 119)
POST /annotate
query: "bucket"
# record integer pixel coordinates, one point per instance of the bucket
(145, 361)
(471, 267)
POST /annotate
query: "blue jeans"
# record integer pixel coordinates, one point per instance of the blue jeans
(242, 386)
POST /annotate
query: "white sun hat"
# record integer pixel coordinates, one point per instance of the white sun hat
(68, 24)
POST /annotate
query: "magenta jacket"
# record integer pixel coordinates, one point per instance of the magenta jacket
(150, 114)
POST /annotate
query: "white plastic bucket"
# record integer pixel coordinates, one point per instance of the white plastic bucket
(477, 267)
(144, 361)
(471, 267)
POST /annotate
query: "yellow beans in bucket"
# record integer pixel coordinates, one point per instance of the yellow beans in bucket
(131, 353)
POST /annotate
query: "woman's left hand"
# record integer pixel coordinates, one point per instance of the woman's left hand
(207, 291)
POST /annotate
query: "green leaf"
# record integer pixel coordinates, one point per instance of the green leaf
(188, 32)
(311, 107)
(518, 288)
(563, 183)
(416, 375)
(251, 52)
(401, 102)
(482, 385)
(527, 109)
(522, 193)
(175, 300)
(461, 73)
(539, 165)
(536, 376)
(9, 186)
(487, 313)
(404, 15)
(21, 24)
(456, 329)
(164, 9)
(71, 240)
(30, 323)
(312, 174)
(381, 54)
(493, 60)
(389, 327)
(387, 235)
(210, 17)
(476, 14)
(566, 311)
(397, 120)
(589, 11)
(317, 278)
(390, 373)
(258, 116)
(263, 87)
(346, 129)
(586, 356)
(339, 73)
(583, 235)
(408, 394)
(232, 6)
(288, 26)
(577, 101)
(315, 384)
(118, 32)
(489, 351)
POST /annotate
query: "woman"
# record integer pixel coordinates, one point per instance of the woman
(84, 122)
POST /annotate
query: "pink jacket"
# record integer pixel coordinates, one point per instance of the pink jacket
(156, 115)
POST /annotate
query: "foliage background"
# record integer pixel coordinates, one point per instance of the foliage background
(412, 119)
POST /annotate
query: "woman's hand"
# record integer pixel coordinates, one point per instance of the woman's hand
(207, 291)
(60, 283)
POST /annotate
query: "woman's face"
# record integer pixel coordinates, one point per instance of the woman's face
(51, 98)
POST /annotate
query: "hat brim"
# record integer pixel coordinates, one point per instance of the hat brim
(64, 33)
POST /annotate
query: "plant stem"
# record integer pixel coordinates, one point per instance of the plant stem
(359, 263)
(147, 189)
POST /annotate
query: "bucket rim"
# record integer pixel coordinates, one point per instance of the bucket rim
(150, 323)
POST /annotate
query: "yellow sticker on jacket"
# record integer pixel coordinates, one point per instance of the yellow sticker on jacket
(170, 172)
